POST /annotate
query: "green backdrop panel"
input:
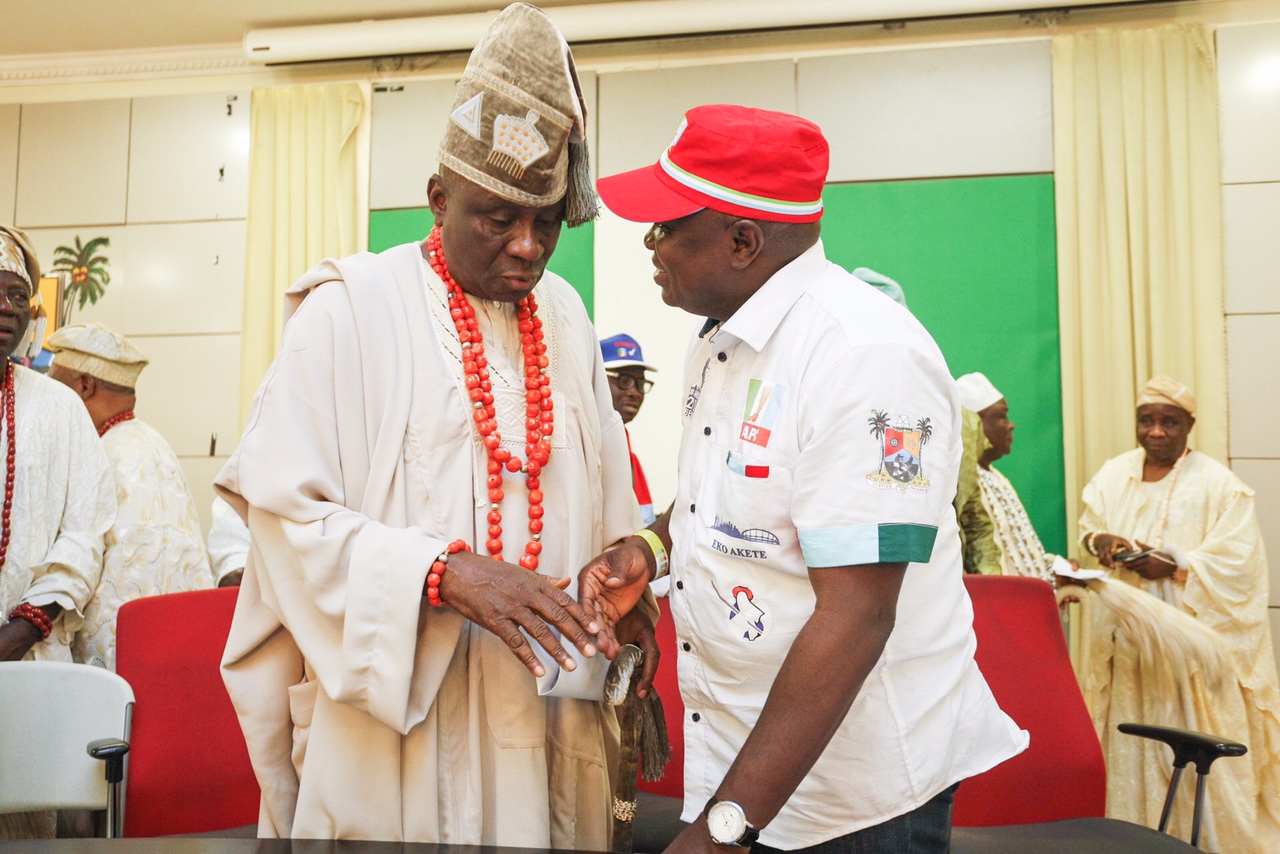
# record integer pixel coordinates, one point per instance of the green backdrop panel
(573, 259)
(977, 260)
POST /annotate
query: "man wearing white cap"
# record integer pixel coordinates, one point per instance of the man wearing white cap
(1021, 552)
(155, 545)
(826, 640)
(432, 454)
(1181, 526)
(59, 501)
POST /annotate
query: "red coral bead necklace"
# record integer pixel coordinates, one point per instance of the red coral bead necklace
(10, 458)
(127, 415)
(539, 414)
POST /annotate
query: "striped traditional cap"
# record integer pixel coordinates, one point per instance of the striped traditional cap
(97, 351)
(1168, 391)
(743, 161)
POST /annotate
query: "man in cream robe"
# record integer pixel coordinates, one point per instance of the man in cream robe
(1194, 650)
(63, 503)
(368, 714)
(155, 546)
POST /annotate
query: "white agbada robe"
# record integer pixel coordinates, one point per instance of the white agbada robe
(1213, 527)
(154, 547)
(63, 505)
(368, 714)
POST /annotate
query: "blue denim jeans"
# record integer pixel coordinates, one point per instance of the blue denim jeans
(924, 830)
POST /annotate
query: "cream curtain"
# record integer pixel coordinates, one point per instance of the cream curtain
(308, 200)
(1136, 166)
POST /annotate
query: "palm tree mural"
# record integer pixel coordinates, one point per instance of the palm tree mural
(88, 273)
(879, 422)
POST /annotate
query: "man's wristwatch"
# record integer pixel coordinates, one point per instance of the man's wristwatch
(728, 824)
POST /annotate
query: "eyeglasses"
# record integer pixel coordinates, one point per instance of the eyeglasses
(626, 382)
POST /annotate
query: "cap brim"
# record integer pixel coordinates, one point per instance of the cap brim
(628, 363)
(642, 196)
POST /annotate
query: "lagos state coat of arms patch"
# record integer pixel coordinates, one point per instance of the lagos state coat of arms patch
(901, 452)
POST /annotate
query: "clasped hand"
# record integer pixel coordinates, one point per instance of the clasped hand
(503, 600)
(609, 588)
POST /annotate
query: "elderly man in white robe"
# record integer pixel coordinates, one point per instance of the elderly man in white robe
(1188, 643)
(155, 546)
(425, 403)
(59, 501)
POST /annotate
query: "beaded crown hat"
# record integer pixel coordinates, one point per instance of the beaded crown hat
(97, 351)
(17, 254)
(518, 127)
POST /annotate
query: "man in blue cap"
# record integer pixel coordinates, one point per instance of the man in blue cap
(625, 367)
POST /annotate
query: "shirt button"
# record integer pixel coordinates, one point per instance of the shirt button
(693, 508)
(685, 646)
(696, 717)
(679, 585)
(722, 357)
(706, 431)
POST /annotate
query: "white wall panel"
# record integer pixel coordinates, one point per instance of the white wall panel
(166, 279)
(73, 163)
(191, 390)
(1249, 102)
(1253, 375)
(200, 472)
(189, 158)
(627, 300)
(9, 118)
(981, 110)
(1264, 477)
(409, 121)
(183, 278)
(640, 110)
(1251, 227)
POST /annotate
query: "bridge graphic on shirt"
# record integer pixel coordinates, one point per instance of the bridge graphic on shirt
(751, 535)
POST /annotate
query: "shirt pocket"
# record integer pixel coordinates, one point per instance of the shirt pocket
(516, 715)
(744, 511)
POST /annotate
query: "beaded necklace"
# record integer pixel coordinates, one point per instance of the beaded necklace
(1163, 519)
(10, 458)
(539, 417)
(127, 415)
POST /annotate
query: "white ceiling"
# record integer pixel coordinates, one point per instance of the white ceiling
(68, 26)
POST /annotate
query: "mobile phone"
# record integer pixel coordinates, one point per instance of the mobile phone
(1129, 557)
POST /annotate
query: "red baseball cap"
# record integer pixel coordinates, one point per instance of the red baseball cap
(737, 160)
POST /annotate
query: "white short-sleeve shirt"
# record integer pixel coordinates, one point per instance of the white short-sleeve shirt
(821, 429)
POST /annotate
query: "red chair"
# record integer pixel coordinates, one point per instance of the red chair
(1052, 797)
(1023, 654)
(189, 770)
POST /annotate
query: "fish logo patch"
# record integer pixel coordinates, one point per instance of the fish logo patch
(744, 614)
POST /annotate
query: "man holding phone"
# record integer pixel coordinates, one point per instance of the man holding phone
(1180, 525)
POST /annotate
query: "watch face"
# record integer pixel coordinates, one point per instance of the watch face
(727, 822)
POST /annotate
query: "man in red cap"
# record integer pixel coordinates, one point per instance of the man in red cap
(832, 700)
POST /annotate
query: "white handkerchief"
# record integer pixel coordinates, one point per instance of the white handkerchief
(587, 681)
(1062, 566)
